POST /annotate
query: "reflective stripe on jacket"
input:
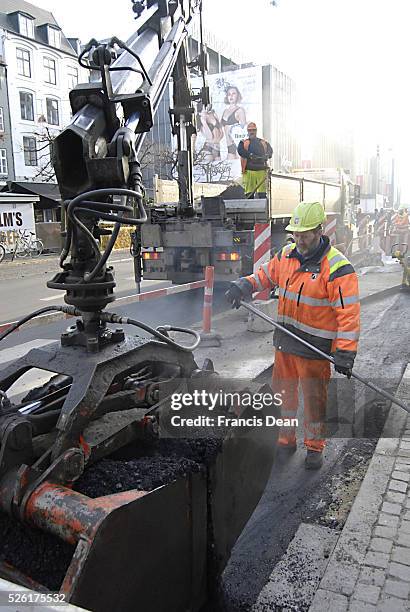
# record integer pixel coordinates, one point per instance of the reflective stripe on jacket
(319, 300)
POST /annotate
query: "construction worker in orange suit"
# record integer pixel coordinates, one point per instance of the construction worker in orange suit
(400, 229)
(318, 301)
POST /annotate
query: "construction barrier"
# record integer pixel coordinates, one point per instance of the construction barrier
(261, 252)
(330, 228)
(208, 299)
(207, 283)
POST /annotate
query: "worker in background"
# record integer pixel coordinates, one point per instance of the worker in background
(254, 153)
(401, 219)
(400, 229)
(318, 301)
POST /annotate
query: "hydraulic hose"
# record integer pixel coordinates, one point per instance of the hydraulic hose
(113, 318)
(66, 309)
(156, 332)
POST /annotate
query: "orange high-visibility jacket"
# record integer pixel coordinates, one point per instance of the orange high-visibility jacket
(401, 220)
(319, 300)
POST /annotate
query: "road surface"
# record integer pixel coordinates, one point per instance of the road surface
(23, 284)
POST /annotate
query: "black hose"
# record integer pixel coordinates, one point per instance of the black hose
(102, 210)
(34, 314)
(89, 276)
(163, 337)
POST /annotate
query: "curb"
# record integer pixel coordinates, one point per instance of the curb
(373, 297)
(348, 559)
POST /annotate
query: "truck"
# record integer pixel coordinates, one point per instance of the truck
(221, 231)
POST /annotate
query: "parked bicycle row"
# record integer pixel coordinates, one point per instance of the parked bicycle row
(24, 244)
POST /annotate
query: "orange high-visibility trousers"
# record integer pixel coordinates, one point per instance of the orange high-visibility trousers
(312, 375)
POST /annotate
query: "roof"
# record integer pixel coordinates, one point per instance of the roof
(49, 193)
(8, 8)
(16, 197)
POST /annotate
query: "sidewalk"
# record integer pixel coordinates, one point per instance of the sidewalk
(369, 569)
(378, 279)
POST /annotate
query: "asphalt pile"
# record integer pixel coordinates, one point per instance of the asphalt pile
(45, 558)
(39, 555)
(170, 459)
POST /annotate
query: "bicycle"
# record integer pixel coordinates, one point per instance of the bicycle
(27, 245)
(2, 249)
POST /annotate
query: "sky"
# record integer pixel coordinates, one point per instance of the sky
(349, 58)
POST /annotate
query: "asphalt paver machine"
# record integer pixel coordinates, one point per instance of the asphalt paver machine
(157, 544)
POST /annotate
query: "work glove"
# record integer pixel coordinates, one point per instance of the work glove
(239, 290)
(344, 361)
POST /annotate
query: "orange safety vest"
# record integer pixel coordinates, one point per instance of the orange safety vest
(246, 144)
(319, 301)
(401, 220)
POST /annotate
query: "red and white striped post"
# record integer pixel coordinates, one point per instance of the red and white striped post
(330, 227)
(261, 252)
(208, 297)
(209, 338)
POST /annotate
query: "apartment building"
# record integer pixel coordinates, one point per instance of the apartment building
(41, 67)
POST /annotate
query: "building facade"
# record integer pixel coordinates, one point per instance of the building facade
(279, 93)
(377, 174)
(6, 145)
(42, 67)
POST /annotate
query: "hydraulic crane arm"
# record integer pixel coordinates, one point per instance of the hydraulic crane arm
(100, 146)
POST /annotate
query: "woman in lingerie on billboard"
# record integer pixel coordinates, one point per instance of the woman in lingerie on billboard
(233, 120)
(210, 127)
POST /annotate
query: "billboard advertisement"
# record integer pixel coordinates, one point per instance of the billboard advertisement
(236, 99)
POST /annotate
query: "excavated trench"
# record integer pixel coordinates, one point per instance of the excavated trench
(45, 558)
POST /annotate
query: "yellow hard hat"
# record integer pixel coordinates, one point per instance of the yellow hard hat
(306, 216)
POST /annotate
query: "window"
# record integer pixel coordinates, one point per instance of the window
(38, 216)
(54, 37)
(23, 63)
(2, 76)
(72, 74)
(30, 151)
(52, 112)
(26, 26)
(48, 215)
(3, 161)
(1, 119)
(26, 106)
(50, 71)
